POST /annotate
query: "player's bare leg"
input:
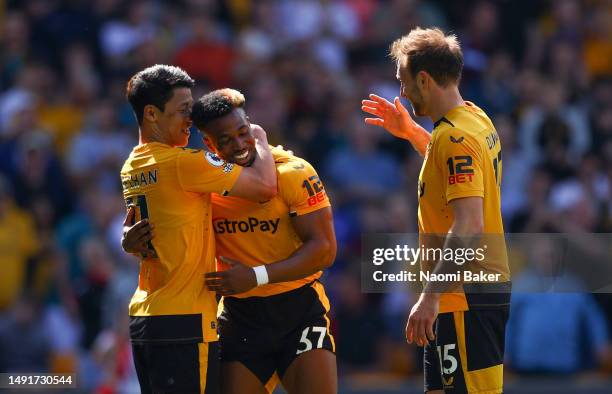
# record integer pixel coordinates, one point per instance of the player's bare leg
(435, 392)
(238, 379)
(312, 372)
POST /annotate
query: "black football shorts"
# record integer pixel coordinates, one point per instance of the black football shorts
(467, 354)
(266, 334)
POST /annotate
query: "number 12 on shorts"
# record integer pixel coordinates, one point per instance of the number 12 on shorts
(307, 342)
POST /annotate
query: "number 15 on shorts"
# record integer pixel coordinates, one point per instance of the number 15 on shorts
(307, 342)
(447, 357)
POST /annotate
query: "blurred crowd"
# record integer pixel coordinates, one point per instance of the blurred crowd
(541, 69)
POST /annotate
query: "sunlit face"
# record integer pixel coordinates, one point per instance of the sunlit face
(231, 138)
(174, 122)
(409, 89)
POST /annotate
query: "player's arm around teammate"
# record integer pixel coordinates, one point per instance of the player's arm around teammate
(257, 182)
(283, 328)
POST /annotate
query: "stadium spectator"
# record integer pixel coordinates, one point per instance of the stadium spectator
(18, 242)
(24, 341)
(577, 341)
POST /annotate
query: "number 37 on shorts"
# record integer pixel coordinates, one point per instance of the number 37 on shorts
(313, 338)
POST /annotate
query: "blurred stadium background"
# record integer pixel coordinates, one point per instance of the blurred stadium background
(541, 69)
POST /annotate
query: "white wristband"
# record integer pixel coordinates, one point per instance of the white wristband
(261, 273)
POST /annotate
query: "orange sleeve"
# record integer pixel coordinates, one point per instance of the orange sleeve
(459, 157)
(204, 172)
(301, 188)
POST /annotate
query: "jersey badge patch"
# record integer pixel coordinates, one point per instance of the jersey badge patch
(214, 159)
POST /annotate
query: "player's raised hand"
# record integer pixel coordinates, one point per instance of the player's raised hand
(238, 278)
(393, 117)
(136, 236)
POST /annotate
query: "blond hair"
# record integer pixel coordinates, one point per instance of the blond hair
(233, 96)
(432, 51)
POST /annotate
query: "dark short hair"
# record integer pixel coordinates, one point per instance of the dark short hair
(432, 51)
(154, 86)
(214, 105)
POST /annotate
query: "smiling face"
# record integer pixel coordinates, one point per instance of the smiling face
(230, 136)
(174, 121)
